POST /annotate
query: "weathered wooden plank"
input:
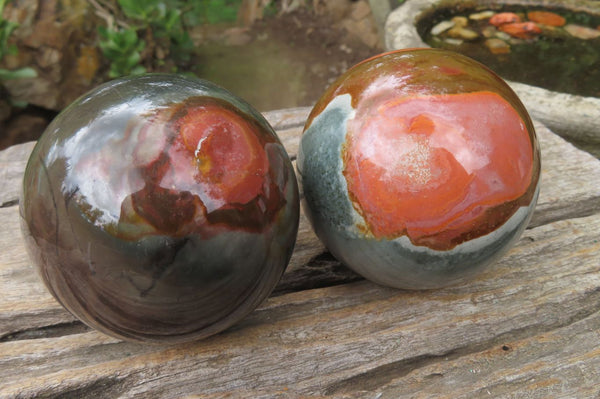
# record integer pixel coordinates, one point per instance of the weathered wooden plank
(289, 124)
(284, 119)
(568, 190)
(530, 365)
(358, 336)
(25, 304)
(12, 165)
(328, 333)
(564, 167)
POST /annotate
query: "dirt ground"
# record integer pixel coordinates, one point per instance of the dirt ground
(280, 61)
(327, 50)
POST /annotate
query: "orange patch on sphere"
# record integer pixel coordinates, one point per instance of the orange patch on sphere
(229, 158)
(439, 169)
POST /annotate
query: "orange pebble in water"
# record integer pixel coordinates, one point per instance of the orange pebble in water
(521, 30)
(546, 18)
(504, 18)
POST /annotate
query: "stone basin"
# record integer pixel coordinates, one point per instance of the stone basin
(574, 117)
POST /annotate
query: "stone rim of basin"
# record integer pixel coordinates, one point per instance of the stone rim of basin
(572, 116)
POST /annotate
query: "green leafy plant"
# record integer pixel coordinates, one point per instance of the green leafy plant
(22, 73)
(162, 19)
(146, 32)
(213, 11)
(122, 48)
(6, 29)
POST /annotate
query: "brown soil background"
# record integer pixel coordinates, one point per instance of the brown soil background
(281, 61)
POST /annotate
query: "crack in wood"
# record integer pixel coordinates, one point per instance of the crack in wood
(382, 375)
(9, 203)
(561, 211)
(105, 387)
(321, 271)
(51, 331)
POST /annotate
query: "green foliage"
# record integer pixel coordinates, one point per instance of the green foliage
(143, 10)
(122, 48)
(6, 29)
(21, 73)
(163, 19)
(212, 11)
(160, 22)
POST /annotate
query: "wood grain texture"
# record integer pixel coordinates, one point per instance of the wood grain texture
(12, 165)
(529, 326)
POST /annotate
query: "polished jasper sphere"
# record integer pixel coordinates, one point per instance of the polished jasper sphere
(160, 208)
(419, 168)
